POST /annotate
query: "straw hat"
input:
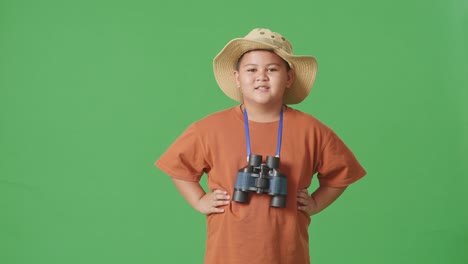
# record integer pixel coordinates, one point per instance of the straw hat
(224, 64)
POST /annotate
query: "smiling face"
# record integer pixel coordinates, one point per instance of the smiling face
(263, 78)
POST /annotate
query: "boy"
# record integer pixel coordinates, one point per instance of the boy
(261, 73)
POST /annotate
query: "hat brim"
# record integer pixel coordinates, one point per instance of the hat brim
(224, 65)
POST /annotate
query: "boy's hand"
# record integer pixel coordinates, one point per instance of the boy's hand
(306, 202)
(319, 200)
(209, 203)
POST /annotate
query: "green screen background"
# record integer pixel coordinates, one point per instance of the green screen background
(93, 92)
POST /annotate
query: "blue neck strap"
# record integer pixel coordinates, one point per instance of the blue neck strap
(247, 134)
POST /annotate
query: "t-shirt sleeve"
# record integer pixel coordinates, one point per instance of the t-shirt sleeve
(338, 167)
(185, 158)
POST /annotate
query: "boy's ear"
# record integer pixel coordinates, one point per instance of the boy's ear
(236, 78)
(291, 77)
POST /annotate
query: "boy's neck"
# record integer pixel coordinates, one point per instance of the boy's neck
(263, 114)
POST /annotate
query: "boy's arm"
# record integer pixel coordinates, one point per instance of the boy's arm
(205, 203)
(319, 200)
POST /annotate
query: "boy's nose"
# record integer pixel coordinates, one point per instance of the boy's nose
(262, 76)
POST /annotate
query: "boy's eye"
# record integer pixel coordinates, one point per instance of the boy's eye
(272, 69)
(251, 70)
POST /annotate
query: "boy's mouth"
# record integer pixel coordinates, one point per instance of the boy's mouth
(262, 88)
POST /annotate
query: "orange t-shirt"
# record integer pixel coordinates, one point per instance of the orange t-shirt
(256, 233)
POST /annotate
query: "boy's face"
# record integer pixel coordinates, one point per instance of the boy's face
(263, 77)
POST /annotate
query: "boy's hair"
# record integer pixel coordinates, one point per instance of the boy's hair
(288, 67)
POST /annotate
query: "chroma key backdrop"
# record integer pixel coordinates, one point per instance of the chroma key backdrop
(93, 92)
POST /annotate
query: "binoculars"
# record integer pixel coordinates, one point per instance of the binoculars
(261, 179)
